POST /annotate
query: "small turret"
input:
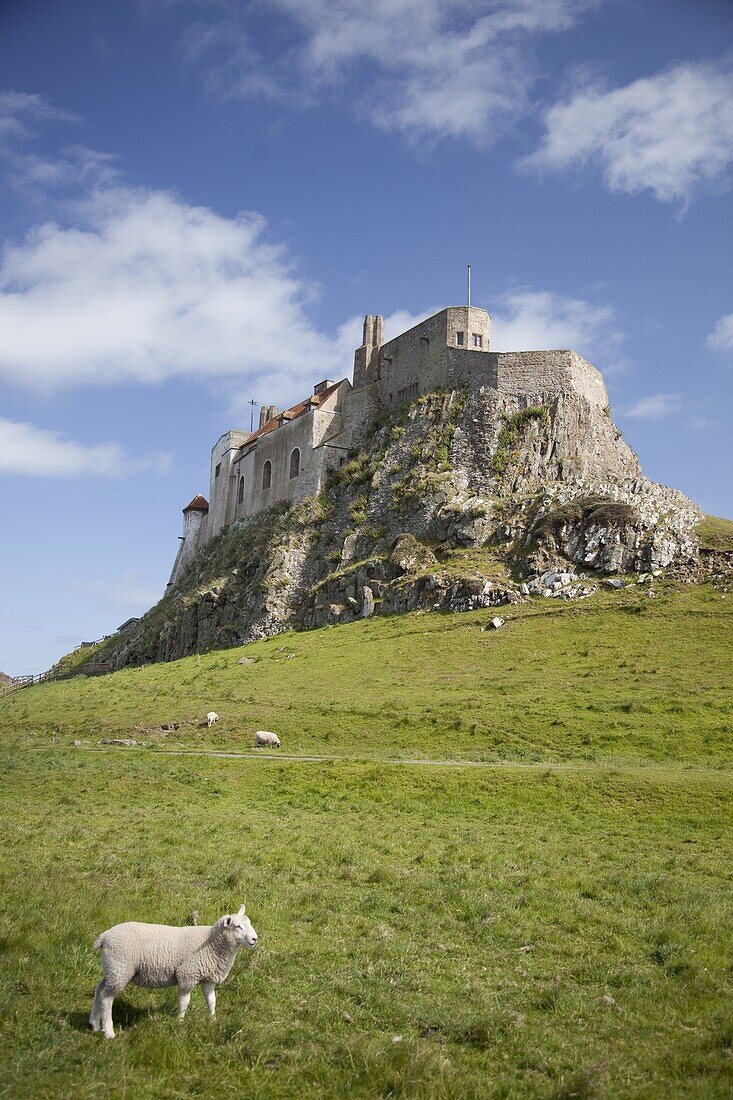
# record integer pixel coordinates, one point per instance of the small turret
(194, 515)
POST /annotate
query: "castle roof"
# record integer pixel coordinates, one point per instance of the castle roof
(198, 504)
(294, 411)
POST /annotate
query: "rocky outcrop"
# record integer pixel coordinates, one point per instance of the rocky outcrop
(464, 499)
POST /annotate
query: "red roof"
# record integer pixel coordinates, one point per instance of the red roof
(291, 413)
(198, 504)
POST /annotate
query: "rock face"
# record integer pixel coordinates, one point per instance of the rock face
(463, 499)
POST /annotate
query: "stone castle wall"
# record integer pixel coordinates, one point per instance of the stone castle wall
(308, 435)
(551, 373)
(221, 481)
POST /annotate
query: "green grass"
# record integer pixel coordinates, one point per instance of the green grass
(470, 562)
(715, 533)
(483, 917)
(616, 676)
(554, 926)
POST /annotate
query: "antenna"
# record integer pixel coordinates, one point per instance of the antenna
(468, 286)
(253, 403)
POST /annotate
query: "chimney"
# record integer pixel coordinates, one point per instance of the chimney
(373, 338)
(263, 415)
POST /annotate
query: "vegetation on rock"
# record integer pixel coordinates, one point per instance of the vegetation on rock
(511, 433)
(589, 511)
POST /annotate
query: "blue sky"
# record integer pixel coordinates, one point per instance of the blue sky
(199, 199)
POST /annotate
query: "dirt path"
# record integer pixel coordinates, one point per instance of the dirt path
(643, 767)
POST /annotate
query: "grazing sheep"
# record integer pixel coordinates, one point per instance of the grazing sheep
(156, 955)
(262, 737)
(211, 717)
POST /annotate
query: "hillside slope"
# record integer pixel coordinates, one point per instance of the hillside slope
(614, 676)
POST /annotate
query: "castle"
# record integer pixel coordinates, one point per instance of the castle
(288, 456)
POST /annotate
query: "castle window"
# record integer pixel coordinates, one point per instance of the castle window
(407, 393)
(267, 475)
(217, 471)
(459, 339)
(240, 496)
(294, 463)
(478, 340)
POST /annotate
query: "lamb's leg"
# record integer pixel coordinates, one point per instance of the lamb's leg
(95, 1016)
(209, 991)
(183, 998)
(107, 999)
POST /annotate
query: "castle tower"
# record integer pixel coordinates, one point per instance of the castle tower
(194, 515)
(366, 356)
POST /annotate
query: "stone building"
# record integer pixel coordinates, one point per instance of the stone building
(287, 458)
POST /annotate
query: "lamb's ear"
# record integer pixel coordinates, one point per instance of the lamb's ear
(241, 911)
(227, 921)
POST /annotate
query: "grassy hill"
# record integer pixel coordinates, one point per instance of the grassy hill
(545, 912)
(617, 675)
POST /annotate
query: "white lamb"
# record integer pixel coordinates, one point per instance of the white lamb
(156, 955)
(264, 737)
(211, 717)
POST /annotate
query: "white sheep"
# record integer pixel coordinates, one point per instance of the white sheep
(263, 737)
(155, 955)
(211, 717)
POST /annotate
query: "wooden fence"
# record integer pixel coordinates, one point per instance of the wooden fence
(56, 673)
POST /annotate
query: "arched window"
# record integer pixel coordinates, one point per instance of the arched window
(240, 496)
(294, 463)
(267, 475)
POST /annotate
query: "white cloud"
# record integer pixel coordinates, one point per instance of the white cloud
(21, 113)
(721, 338)
(656, 407)
(538, 320)
(702, 423)
(144, 287)
(670, 133)
(124, 592)
(130, 284)
(38, 452)
(76, 166)
(22, 116)
(441, 68)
